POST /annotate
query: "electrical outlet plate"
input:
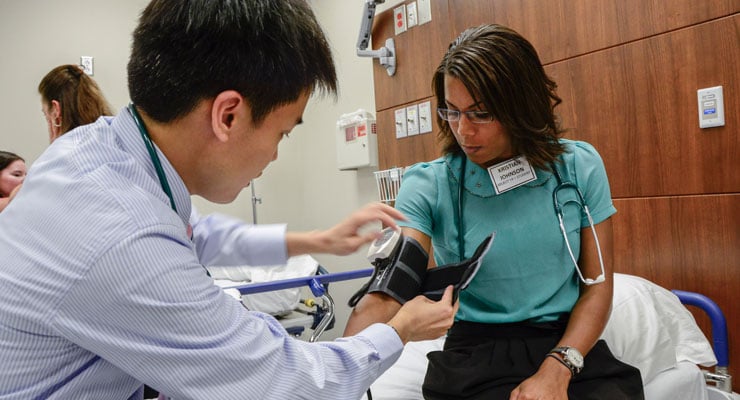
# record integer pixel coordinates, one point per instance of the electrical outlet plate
(425, 117)
(711, 107)
(411, 15)
(86, 62)
(401, 123)
(399, 16)
(412, 119)
(423, 11)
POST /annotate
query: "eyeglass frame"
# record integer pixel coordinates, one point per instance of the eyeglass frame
(444, 113)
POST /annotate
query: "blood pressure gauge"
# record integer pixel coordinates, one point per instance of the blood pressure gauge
(384, 246)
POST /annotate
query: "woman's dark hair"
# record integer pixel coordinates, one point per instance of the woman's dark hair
(79, 97)
(502, 71)
(184, 51)
(7, 158)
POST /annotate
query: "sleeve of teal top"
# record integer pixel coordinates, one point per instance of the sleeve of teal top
(591, 178)
(417, 197)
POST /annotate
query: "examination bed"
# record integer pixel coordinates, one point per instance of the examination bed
(649, 328)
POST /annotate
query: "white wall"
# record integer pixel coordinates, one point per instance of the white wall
(302, 188)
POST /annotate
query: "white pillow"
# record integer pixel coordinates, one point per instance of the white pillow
(650, 329)
(277, 302)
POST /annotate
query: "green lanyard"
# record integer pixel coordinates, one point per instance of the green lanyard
(152, 154)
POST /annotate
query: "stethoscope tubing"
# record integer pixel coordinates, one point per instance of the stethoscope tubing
(558, 212)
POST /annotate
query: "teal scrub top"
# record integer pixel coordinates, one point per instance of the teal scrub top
(528, 274)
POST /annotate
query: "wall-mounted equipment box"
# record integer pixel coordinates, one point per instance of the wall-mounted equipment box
(357, 141)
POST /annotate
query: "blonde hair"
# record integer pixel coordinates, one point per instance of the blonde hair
(79, 97)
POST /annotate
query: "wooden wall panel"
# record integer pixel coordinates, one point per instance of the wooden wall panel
(689, 243)
(628, 72)
(561, 29)
(637, 104)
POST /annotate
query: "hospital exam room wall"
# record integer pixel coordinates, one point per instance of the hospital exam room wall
(303, 187)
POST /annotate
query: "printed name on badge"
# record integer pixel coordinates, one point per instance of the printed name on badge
(511, 174)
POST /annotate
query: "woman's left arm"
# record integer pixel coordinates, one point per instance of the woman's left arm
(587, 320)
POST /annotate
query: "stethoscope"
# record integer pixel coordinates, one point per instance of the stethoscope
(157, 163)
(152, 154)
(558, 212)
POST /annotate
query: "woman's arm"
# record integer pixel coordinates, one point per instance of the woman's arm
(588, 318)
(379, 307)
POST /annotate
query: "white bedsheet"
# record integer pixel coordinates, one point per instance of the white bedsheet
(684, 381)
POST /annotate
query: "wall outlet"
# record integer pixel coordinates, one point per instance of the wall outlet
(411, 16)
(399, 18)
(401, 123)
(412, 120)
(424, 11)
(425, 117)
(86, 62)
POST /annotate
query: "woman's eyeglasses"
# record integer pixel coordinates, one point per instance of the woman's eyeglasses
(476, 117)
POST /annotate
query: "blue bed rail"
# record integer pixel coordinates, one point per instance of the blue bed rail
(721, 377)
(315, 282)
(717, 318)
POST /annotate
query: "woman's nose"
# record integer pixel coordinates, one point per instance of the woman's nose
(464, 126)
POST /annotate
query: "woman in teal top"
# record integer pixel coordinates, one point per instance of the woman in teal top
(542, 296)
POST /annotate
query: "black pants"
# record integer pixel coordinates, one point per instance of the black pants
(486, 361)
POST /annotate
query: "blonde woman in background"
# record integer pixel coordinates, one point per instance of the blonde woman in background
(70, 98)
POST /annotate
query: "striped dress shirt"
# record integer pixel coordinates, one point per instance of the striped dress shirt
(101, 291)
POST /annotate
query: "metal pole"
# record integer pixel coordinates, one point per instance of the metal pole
(255, 200)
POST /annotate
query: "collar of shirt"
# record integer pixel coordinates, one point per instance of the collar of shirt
(130, 138)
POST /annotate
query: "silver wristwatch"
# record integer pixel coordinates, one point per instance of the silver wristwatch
(570, 357)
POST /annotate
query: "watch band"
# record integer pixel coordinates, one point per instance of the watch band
(557, 357)
(570, 356)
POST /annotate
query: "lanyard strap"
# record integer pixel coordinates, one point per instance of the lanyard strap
(152, 154)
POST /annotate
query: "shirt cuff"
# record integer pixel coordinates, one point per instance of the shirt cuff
(266, 245)
(386, 341)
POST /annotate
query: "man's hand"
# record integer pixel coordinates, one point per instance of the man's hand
(424, 319)
(345, 237)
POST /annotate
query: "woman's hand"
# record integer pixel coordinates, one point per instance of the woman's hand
(549, 383)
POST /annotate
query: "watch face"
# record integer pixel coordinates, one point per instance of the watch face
(575, 357)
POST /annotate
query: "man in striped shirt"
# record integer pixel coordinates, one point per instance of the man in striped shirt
(101, 290)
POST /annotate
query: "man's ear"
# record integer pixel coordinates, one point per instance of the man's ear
(228, 108)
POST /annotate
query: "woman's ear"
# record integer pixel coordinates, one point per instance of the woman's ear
(229, 107)
(55, 112)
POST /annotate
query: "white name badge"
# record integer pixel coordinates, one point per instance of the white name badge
(511, 174)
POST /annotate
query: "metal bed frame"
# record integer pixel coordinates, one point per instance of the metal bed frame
(720, 377)
(319, 287)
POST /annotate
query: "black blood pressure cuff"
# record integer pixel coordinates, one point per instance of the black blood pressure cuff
(459, 274)
(404, 274)
(400, 276)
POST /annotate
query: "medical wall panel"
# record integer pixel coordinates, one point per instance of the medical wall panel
(688, 243)
(561, 29)
(418, 50)
(637, 104)
(408, 150)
